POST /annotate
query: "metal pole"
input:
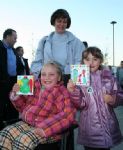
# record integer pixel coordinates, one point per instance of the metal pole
(113, 47)
(113, 22)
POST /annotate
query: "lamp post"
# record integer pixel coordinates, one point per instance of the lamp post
(113, 23)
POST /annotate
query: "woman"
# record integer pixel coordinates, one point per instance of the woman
(61, 46)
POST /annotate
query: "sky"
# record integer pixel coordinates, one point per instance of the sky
(91, 22)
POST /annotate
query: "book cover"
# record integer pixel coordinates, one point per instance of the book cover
(80, 74)
(26, 84)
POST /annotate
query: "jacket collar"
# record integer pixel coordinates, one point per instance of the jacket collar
(69, 35)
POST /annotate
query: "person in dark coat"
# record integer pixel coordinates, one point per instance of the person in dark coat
(23, 67)
(8, 75)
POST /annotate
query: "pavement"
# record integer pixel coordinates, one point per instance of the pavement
(119, 113)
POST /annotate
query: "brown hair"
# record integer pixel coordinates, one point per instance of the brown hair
(60, 13)
(94, 51)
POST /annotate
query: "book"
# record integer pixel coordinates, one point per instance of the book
(80, 74)
(26, 84)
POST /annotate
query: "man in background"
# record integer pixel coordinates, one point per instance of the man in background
(23, 62)
(8, 75)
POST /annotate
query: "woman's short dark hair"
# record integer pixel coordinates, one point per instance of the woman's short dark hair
(8, 32)
(94, 51)
(60, 13)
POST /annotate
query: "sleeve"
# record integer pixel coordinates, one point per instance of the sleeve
(19, 101)
(78, 98)
(77, 51)
(113, 92)
(114, 86)
(59, 122)
(36, 65)
(119, 98)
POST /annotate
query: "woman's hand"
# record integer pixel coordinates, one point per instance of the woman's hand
(70, 86)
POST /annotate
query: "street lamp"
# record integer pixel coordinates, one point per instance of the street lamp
(113, 22)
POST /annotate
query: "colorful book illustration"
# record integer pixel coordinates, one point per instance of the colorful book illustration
(26, 83)
(80, 74)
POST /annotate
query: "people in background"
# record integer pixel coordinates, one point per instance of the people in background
(23, 62)
(85, 44)
(8, 74)
(98, 127)
(45, 115)
(60, 45)
(120, 74)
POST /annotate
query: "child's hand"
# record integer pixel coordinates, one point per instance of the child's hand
(70, 86)
(15, 88)
(39, 132)
(108, 99)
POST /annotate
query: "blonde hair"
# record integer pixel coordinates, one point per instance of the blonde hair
(55, 65)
